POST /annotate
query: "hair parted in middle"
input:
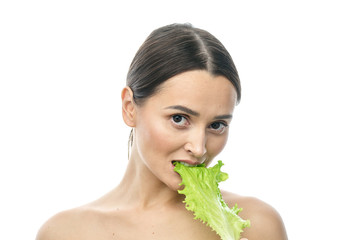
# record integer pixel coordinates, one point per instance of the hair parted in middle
(174, 49)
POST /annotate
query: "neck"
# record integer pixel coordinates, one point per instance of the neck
(140, 188)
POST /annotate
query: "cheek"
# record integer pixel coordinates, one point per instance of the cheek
(216, 145)
(155, 138)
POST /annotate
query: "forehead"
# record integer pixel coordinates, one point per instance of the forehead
(198, 90)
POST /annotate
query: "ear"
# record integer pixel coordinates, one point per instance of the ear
(128, 107)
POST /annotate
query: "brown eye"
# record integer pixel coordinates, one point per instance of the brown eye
(177, 118)
(215, 125)
(218, 127)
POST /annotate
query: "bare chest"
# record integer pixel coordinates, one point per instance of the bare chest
(150, 225)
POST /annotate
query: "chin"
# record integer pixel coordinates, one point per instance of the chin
(175, 185)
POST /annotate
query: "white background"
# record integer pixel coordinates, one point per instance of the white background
(294, 141)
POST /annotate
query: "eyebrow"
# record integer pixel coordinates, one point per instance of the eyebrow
(226, 116)
(184, 109)
(192, 112)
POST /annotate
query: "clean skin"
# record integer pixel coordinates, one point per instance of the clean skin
(187, 120)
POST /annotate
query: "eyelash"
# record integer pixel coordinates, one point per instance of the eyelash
(184, 117)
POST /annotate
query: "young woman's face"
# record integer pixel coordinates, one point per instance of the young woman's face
(186, 120)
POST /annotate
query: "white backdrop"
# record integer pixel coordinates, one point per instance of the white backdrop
(294, 141)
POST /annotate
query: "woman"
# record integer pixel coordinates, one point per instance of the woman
(181, 91)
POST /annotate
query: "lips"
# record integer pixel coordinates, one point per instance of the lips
(187, 163)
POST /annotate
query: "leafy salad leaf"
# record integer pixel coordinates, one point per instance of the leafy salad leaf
(204, 199)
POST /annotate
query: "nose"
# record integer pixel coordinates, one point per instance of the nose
(196, 144)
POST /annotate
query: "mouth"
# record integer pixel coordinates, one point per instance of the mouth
(187, 164)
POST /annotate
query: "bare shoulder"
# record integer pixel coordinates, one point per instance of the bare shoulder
(67, 225)
(265, 221)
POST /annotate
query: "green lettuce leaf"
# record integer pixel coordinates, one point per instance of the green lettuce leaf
(203, 198)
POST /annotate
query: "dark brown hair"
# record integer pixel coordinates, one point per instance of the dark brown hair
(174, 49)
